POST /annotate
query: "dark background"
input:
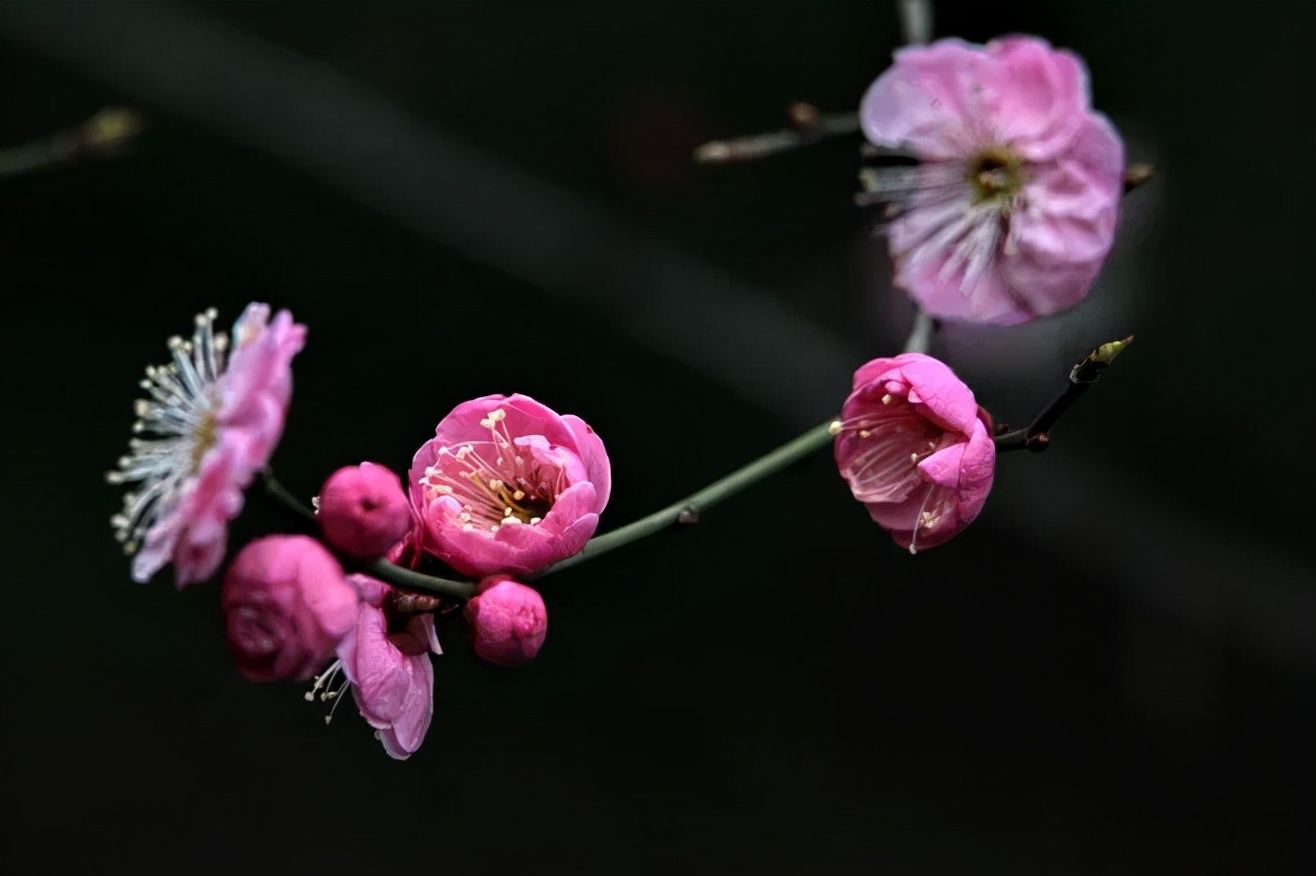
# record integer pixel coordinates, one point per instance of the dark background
(1111, 672)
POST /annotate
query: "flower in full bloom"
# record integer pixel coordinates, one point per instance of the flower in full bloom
(1012, 209)
(915, 448)
(211, 421)
(507, 485)
(508, 621)
(363, 511)
(287, 605)
(385, 659)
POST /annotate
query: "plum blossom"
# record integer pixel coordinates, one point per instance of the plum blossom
(287, 604)
(508, 621)
(209, 423)
(363, 511)
(508, 485)
(915, 448)
(1012, 209)
(384, 658)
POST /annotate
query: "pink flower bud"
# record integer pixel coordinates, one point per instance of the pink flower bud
(508, 621)
(916, 449)
(363, 511)
(287, 604)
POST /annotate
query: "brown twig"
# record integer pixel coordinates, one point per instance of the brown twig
(1037, 435)
(808, 126)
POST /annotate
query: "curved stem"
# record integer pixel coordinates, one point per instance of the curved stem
(808, 126)
(688, 509)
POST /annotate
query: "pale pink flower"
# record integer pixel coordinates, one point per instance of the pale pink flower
(207, 427)
(287, 604)
(363, 511)
(508, 621)
(385, 658)
(1011, 211)
(507, 485)
(915, 448)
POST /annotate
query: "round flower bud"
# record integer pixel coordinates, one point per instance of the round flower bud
(363, 511)
(287, 604)
(508, 621)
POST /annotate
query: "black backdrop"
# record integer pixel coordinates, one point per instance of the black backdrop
(1111, 672)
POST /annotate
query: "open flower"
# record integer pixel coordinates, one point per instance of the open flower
(915, 448)
(385, 658)
(508, 485)
(206, 428)
(1012, 209)
(287, 604)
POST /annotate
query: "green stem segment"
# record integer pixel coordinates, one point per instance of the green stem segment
(685, 511)
(688, 509)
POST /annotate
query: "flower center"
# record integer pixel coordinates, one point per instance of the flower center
(995, 173)
(204, 436)
(498, 482)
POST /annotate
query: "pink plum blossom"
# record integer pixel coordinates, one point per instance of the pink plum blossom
(1011, 211)
(508, 485)
(915, 448)
(363, 511)
(210, 423)
(386, 659)
(287, 604)
(508, 621)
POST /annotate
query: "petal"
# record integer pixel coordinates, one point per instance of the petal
(590, 448)
(926, 101)
(1036, 96)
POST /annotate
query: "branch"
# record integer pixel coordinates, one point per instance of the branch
(688, 510)
(808, 126)
(1037, 436)
(104, 135)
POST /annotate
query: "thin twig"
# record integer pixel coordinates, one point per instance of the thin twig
(103, 135)
(1136, 175)
(808, 126)
(1037, 435)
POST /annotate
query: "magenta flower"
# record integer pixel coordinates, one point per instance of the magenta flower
(385, 658)
(507, 485)
(1012, 210)
(287, 604)
(508, 621)
(916, 449)
(363, 511)
(208, 427)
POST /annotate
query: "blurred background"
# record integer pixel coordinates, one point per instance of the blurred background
(1111, 672)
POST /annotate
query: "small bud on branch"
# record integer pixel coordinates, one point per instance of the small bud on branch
(1037, 436)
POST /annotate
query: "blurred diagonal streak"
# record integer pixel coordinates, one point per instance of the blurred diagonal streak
(325, 124)
(320, 121)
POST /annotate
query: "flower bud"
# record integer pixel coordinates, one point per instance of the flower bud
(508, 621)
(363, 511)
(287, 604)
